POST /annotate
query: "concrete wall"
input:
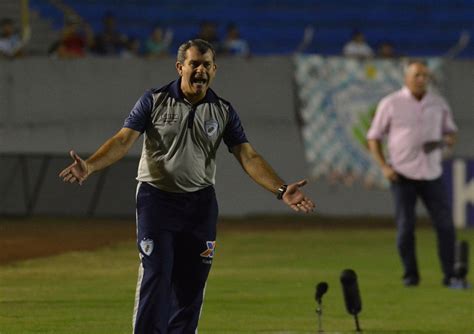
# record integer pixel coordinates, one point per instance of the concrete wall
(49, 107)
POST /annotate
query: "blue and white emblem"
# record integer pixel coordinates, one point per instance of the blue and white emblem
(209, 252)
(147, 245)
(211, 127)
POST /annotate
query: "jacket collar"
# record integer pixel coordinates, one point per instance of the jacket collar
(177, 93)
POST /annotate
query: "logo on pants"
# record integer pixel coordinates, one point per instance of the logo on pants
(209, 252)
(147, 246)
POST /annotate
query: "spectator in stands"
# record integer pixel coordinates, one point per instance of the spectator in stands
(132, 49)
(110, 42)
(208, 32)
(419, 125)
(11, 45)
(75, 41)
(157, 45)
(386, 50)
(233, 44)
(357, 47)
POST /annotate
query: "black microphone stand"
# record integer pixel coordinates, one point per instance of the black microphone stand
(358, 330)
(319, 312)
(321, 289)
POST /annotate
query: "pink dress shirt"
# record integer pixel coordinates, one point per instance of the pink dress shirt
(410, 124)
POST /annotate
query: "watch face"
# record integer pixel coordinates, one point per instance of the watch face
(281, 191)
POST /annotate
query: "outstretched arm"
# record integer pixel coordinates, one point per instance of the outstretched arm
(262, 173)
(111, 151)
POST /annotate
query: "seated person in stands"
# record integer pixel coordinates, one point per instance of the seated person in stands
(75, 41)
(11, 45)
(386, 50)
(357, 47)
(157, 45)
(133, 49)
(233, 44)
(208, 32)
(110, 42)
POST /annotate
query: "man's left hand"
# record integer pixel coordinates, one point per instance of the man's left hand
(296, 199)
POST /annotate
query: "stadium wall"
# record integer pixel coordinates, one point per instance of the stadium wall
(48, 107)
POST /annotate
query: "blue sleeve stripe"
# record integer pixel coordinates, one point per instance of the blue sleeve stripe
(140, 113)
(234, 133)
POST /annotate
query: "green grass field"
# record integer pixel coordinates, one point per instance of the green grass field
(261, 282)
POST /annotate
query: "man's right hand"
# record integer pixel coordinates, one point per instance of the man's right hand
(390, 173)
(78, 171)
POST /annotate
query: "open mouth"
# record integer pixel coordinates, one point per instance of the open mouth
(199, 82)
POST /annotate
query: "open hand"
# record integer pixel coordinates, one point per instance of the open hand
(296, 199)
(76, 172)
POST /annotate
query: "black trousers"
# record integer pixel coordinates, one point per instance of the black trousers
(433, 195)
(176, 238)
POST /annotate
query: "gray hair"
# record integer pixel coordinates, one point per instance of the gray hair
(202, 45)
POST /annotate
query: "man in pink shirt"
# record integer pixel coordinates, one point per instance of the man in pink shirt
(418, 124)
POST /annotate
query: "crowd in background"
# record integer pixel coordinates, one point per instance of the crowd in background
(358, 47)
(77, 40)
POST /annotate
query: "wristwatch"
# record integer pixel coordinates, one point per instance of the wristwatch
(281, 191)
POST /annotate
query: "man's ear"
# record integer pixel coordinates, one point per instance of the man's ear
(179, 68)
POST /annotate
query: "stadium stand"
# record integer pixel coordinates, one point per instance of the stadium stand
(41, 26)
(415, 28)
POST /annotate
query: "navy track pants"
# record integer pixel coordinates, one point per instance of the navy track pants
(176, 239)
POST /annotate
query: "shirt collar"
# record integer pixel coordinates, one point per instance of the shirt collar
(177, 93)
(407, 92)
